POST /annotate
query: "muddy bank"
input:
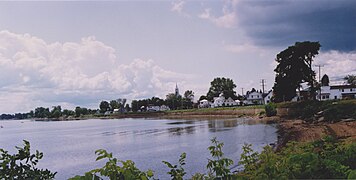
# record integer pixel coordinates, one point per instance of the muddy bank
(301, 131)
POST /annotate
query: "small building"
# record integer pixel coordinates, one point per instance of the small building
(204, 103)
(164, 108)
(254, 98)
(230, 102)
(337, 92)
(267, 97)
(218, 101)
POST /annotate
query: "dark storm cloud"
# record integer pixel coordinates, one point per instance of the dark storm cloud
(281, 23)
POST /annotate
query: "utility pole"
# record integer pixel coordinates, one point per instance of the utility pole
(242, 91)
(263, 81)
(319, 66)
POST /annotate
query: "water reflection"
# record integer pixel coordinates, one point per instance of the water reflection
(177, 131)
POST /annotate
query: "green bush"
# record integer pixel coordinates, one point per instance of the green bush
(270, 109)
(22, 165)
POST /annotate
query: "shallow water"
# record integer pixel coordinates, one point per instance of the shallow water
(69, 146)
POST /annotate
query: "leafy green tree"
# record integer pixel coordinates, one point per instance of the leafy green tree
(78, 111)
(173, 102)
(325, 80)
(114, 105)
(188, 99)
(127, 108)
(295, 67)
(202, 97)
(104, 106)
(350, 79)
(56, 112)
(41, 112)
(67, 113)
(221, 85)
(22, 165)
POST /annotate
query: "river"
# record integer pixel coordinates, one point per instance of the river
(69, 146)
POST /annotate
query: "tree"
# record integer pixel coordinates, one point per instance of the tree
(173, 101)
(221, 85)
(189, 94)
(127, 108)
(202, 97)
(325, 80)
(188, 99)
(350, 79)
(114, 105)
(104, 106)
(295, 67)
(41, 112)
(78, 111)
(56, 112)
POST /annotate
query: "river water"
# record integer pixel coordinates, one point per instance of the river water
(69, 146)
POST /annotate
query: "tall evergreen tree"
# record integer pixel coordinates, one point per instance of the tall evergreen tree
(295, 67)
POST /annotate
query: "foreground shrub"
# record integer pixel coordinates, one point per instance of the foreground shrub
(322, 159)
(113, 170)
(270, 109)
(22, 165)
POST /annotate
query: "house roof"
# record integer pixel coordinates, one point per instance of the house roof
(342, 86)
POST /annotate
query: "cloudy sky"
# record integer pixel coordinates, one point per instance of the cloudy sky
(79, 53)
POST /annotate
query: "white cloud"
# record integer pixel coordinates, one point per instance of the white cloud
(35, 73)
(228, 18)
(178, 6)
(336, 64)
(246, 48)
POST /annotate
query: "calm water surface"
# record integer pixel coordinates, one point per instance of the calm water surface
(69, 146)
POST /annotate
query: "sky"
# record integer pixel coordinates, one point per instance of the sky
(80, 53)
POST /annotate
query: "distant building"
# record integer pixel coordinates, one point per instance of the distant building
(177, 91)
(337, 92)
(221, 101)
(255, 97)
(204, 103)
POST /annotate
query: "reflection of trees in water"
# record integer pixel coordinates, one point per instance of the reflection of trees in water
(221, 125)
(177, 131)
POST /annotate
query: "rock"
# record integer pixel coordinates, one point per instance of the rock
(347, 120)
(321, 119)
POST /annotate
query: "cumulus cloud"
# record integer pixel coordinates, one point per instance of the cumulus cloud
(228, 18)
(36, 73)
(336, 64)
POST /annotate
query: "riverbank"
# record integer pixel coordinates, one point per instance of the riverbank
(302, 131)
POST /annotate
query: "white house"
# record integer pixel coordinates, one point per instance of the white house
(230, 102)
(337, 92)
(221, 101)
(204, 103)
(267, 97)
(157, 108)
(218, 101)
(254, 98)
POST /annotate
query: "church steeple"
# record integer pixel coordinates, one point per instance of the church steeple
(177, 90)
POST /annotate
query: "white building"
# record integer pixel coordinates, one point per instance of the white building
(267, 97)
(218, 101)
(221, 101)
(204, 103)
(337, 92)
(258, 98)
(254, 98)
